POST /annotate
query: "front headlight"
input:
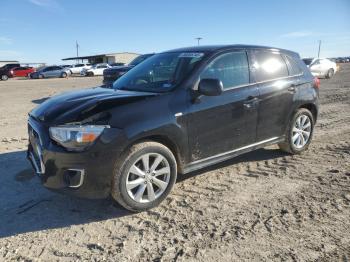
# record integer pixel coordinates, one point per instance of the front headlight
(76, 138)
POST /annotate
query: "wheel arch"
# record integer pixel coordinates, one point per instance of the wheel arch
(312, 108)
(169, 143)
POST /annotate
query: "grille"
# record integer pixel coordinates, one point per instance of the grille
(35, 152)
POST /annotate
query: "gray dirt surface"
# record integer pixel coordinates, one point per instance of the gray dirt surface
(262, 206)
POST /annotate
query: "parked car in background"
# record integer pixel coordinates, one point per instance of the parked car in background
(23, 71)
(321, 67)
(51, 71)
(5, 71)
(117, 64)
(343, 59)
(177, 112)
(95, 70)
(65, 66)
(112, 74)
(76, 69)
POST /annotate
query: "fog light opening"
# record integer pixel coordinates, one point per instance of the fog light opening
(74, 178)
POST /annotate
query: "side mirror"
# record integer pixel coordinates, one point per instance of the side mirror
(210, 87)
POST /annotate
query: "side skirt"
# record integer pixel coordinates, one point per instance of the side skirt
(202, 163)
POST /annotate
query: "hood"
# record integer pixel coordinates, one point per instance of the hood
(78, 105)
(113, 70)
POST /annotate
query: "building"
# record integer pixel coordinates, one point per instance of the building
(124, 57)
(2, 63)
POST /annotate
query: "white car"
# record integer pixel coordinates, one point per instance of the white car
(76, 69)
(321, 67)
(95, 70)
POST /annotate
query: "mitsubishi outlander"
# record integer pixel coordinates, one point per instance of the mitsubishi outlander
(178, 111)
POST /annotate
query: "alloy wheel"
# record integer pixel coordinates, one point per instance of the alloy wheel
(301, 131)
(148, 178)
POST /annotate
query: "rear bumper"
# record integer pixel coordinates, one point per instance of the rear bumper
(85, 174)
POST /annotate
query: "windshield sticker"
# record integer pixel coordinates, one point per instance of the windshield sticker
(191, 55)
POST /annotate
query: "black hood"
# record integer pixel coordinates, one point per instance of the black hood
(78, 105)
(117, 69)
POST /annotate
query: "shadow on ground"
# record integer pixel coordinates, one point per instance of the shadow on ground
(40, 100)
(26, 206)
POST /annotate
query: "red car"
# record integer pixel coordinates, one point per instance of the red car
(23, 71)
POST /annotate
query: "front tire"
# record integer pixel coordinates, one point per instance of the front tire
(299, 132)
(41, 76)
(64, 75)
(144, 176)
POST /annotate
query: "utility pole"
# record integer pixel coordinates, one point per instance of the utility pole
(77, 47)
(198, 39)
(319, 48)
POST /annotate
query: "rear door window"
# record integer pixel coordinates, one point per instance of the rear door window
(268, 66)
(293, 67)
(231, 68)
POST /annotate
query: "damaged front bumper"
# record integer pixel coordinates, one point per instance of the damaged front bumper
(85, 174)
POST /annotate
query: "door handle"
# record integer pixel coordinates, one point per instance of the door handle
(292, 89)
(250, 101)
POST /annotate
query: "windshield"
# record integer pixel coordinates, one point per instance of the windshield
(159, 73)
(139, 59)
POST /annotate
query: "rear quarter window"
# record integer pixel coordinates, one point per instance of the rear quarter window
(268, 65)
(293, 66)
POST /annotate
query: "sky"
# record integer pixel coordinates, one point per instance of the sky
(47, 30)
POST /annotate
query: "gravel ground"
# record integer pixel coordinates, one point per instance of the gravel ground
(262, 206)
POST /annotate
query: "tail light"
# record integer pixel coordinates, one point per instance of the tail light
(317, 82)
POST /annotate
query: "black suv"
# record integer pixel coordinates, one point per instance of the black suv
(5, 71)
(176, 112)
(112, 74)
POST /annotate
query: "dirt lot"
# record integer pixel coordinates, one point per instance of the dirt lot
(262, 206)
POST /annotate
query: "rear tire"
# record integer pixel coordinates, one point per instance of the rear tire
(64, 75)
(4, 77)
(299, 132)
(151, 183)
(330, 73)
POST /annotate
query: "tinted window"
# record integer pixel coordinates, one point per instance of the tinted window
(231, 69)
(79, 65)
(268, 65)
(294, 68)
(307, 61)
(102, 66)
